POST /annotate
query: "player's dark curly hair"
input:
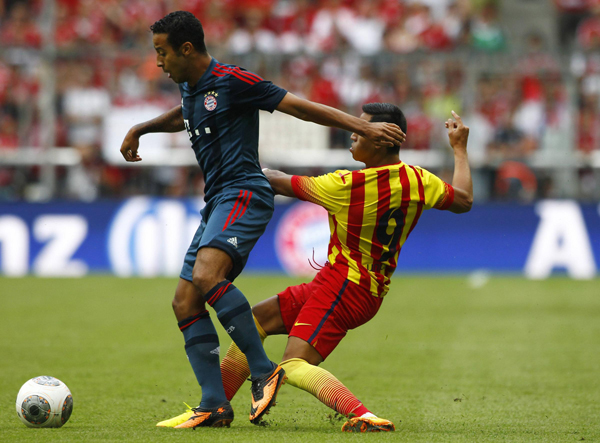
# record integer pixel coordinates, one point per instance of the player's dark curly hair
(181, 27)
(388, 113)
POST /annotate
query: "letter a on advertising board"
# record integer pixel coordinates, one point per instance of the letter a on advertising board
(561, 241)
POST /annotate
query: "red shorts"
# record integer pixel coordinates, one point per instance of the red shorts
(322, 311)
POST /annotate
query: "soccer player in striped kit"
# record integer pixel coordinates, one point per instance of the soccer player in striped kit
(372, 211)
(219, 110)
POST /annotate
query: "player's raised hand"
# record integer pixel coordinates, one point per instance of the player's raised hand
(384, 135)
(458, 133)
(129, 147)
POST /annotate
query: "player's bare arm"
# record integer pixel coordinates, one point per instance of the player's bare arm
(280, 182)
(458, 134)
(170, 121)
(381, 134)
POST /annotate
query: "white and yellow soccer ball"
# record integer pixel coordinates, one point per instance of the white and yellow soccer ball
(44, 402)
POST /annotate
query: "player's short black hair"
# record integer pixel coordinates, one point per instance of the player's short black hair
(181, 27)
(388, 113)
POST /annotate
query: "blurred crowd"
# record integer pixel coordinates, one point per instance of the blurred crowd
(523, 102)
(269, 26)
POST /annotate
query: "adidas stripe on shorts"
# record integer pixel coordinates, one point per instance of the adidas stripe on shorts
(232, 221)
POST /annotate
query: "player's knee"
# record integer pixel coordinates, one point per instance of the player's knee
(268, 315)
(181, 308)
(185, 307)
(187, 302)
(298, 348)
(176, 305)
(260, 313)
(203, 281)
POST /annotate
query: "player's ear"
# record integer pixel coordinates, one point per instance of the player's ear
(186, 49)
(374, 147)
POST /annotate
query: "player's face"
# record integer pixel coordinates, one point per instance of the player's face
(362, 149)
(168, 59)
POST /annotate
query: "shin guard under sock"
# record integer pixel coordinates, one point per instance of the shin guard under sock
(202, 348)
(235, 314)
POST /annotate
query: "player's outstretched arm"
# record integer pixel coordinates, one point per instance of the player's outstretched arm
(280, 182)
(458, 134)
(170, 121)
(381, 134)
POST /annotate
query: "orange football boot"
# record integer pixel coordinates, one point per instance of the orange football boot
(264, 392)
(218, 417)
(373, 424)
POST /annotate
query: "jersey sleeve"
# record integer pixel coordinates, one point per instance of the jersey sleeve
(329, 190)
(251, 91)
(438, 193)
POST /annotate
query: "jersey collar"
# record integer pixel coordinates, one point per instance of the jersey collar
(200, 82)
(384, 166)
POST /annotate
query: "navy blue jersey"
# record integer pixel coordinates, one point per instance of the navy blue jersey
(221, 117)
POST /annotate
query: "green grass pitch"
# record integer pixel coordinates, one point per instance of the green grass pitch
(513, 360)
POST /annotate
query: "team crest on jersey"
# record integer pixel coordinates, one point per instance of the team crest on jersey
(210, 100)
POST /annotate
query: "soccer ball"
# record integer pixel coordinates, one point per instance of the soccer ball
(44, 402)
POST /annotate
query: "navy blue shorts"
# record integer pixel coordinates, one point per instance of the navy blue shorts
(232, 222)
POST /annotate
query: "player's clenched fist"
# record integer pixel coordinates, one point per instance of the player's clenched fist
(130, 146)
(458, 133)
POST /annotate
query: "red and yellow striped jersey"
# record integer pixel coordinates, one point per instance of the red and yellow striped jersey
(371, 214)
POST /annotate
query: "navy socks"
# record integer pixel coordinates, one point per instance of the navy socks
(235, 314)
(202, 349)
(202, 341)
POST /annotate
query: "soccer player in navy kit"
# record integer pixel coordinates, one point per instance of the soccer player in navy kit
(219, 110)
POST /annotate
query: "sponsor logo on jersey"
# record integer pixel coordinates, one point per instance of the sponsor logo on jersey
(344, 175)
(233, 241)
(210, 100)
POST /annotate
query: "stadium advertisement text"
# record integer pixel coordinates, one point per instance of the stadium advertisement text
(145, 236)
